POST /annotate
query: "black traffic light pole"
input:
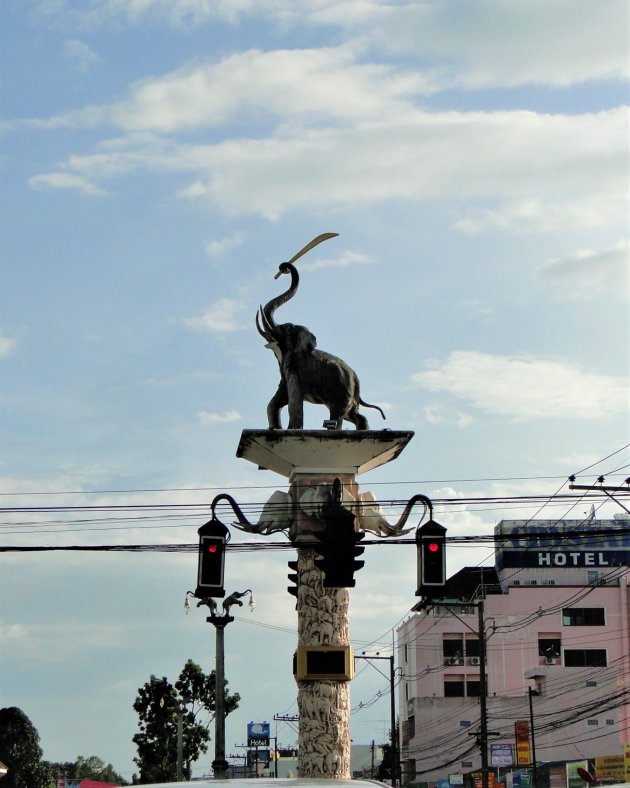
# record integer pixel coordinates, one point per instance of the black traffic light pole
(213, 537)
(431, 546)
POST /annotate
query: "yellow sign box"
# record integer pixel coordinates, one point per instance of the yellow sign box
(523, 755)
(610, 767)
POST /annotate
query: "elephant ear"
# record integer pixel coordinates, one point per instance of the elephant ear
(305, 342)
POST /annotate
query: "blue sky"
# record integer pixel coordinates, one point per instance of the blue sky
(159, 160)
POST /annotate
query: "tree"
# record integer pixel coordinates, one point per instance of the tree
(20, 751)
(158, 705)
(92, 767)
(389, 766)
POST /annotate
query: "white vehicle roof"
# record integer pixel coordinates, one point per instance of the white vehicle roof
(272, 782)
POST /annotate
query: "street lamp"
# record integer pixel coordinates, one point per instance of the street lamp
(219, 622)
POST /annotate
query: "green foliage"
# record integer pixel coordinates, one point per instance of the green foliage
(158, 704)
(20, 751)
(91, 767)
(389, 767)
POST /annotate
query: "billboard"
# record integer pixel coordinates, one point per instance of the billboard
(501, 754)
(547, 544)
(258, 734)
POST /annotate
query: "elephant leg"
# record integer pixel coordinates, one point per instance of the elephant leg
(296, 404)
(356, 418)
(276, 403)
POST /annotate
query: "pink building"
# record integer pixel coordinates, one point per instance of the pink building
(556, 620)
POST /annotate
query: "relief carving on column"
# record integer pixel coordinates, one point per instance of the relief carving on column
(324, 706)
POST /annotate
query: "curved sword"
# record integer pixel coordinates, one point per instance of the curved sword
(309, 246)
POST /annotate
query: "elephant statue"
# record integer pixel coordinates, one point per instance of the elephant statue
(307, 374)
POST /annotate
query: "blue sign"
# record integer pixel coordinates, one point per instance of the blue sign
(257, 733)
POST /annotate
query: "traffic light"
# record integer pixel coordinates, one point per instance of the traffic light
(339, 550)
(212, 540)
(431, 546)
(293, 577)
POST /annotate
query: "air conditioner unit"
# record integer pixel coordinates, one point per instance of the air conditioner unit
(551, 661)
(475, 661)
(452, 660)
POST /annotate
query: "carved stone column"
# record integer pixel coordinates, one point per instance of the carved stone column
(324, 706)
(310, 460)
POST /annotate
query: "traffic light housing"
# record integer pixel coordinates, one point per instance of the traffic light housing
(339, 549)
(213, 537)
(431, 546)
(293, 577)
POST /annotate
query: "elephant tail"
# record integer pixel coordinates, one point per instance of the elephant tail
(367, 405)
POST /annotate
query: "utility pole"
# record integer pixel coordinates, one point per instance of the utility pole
(531, 728)
(483, 692)
(484, 733)
(396, 770)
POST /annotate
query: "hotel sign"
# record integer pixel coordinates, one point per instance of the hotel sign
(544, 544)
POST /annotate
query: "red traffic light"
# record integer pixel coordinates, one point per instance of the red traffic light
(434, 547)
(212, 548)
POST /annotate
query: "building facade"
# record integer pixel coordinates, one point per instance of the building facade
(555, 612)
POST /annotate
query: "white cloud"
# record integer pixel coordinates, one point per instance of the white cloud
(525, 388)
(489, 43)
(80, 53)
(283, 84)
(59, 642)
(222, 245)
(7, 346)
(344, 260)
(343, 132)
(586, 271)
(532, 215)
(220, 318)
(476, 45)
(206, 418)
(64, 180)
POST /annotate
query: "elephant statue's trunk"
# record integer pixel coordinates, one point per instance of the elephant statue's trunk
(268, 330)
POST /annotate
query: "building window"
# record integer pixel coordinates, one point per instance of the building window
(411, 769)
(453, 650)
(406, 653)
(591, 683)
(592, 578)
(610, 722)
(592, 722)
(473, 688)
(473, 649)
(583, 617)
(585, 658)
(454, 687)
(549, 649)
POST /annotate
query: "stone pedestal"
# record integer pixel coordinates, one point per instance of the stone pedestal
(312, 458)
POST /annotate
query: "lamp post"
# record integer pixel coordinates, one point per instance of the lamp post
(219, 622)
